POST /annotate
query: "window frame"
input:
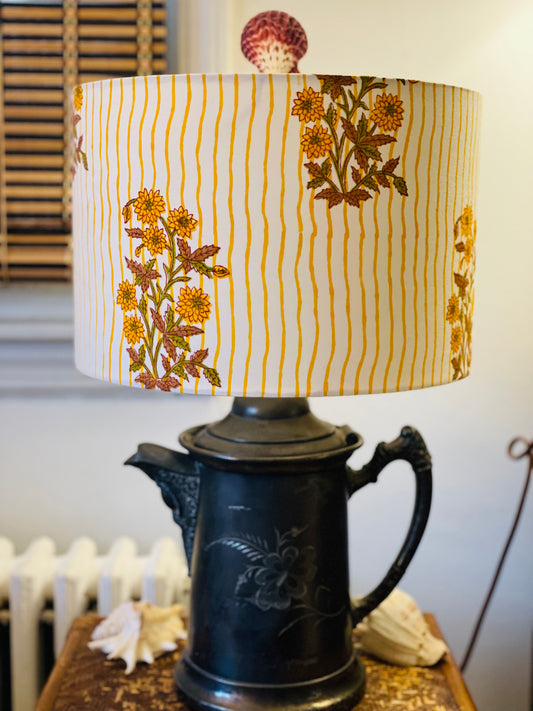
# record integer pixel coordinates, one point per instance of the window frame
(37, 318)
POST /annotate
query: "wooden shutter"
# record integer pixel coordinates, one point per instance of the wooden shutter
(47, 47)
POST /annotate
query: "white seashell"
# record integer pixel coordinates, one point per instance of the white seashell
(397, 632)
(139, 631)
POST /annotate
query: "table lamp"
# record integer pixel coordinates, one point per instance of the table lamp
(273, 237)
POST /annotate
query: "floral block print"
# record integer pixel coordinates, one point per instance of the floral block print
(460, 304)
(157, 326)
(79, 156)
(343, 138)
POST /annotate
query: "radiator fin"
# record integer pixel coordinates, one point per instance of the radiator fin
(39, 584)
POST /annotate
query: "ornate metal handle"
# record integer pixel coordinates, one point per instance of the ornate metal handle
(411, 447)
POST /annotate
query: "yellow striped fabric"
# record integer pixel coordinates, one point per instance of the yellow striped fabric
(275, 235)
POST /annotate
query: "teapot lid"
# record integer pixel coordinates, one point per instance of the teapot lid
(268, 435)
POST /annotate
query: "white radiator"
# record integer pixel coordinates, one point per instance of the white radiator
(40, 585)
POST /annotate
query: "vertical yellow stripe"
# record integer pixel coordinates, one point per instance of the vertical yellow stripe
(404, 237)
(119, 215)
(427, 242)
(376, 283)
(215, 218)
(329, 240)
(473, 134)
(101, 229)
(170, 120)
(463, 154)
(471, 142)
(129, 195)
(154, 127)
(130, 119)
(364, 336)
(248, 236)
(85, 263)
(389, 269)
(390, 284)
(477, 138)
(198, 190)
(92, 203)
(182, 139)
(417, 238)
(109, 250)
(437, 230)
(182, 149)
(349, 333)
(312, 239)
(283, 235)
(299, 301)
(141, 127)
(266, 233)
(376, 297)
(451, 114)
(232, 226)
(167, 137)
(456, 208)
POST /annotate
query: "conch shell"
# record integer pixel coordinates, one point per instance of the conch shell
(397, 632)
(139, 631)
(274, 42)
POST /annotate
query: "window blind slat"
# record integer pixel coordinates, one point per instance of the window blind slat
(100, 39)
(27, 160)
(34, 207)
(33, 96)
(30, 128)
(36, 192)
(30, 29)
(38, 238)
(33, 145)
(49, 254)
(46, 113)
(14, 177)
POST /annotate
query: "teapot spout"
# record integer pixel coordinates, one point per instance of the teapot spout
(178, 477)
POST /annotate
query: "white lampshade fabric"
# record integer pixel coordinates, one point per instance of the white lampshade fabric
(274, 235)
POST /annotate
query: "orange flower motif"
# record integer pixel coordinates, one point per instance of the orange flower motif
(193, 304)
(309, 105)
(467, 219)
(316, 141)
(453, 310)
(149, 206)
(154, 240)
(387, 112)
(182, 222)
(126, 297)
(78, 98)
(468, 252)
(456, 339)
(133, 329)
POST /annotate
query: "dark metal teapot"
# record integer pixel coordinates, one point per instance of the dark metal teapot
(261, 500)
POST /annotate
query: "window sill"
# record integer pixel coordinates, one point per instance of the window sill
(37, 348)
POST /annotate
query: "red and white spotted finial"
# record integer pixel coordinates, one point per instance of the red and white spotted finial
(274, 42)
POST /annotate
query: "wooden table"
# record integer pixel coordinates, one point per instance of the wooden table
(83, 680)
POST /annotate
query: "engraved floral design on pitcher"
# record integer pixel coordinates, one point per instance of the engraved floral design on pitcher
(280, 578)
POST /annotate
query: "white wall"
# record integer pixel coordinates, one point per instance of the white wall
(61, 470)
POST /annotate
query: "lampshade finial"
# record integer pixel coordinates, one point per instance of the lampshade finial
(274, 42)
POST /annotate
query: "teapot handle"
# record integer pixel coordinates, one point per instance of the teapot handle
(411, 447)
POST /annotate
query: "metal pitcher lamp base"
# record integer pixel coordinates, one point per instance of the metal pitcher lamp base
(261, 499)
(340, 691)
